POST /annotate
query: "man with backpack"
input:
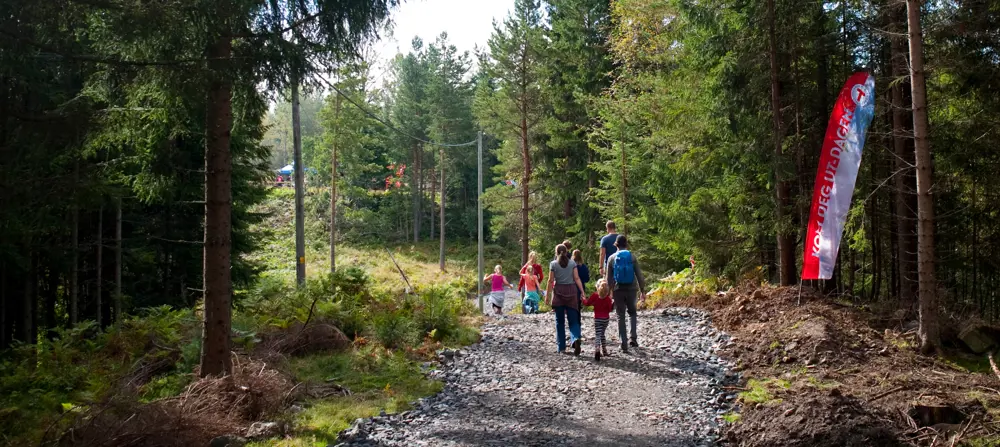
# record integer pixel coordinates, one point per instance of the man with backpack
(625, 279)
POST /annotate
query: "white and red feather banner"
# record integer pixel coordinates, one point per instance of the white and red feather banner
(837, 173)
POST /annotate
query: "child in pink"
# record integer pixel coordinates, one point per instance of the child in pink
(602, 303)
(497, 281)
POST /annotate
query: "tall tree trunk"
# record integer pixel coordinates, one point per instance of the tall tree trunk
(525, 192)
(99, 288)
(902, 142)
(4, 332)
(415, 175)
(333, 192)
(786, 239)
(118, 263)
(27, 326)
(300, 226)
(443, 195)
(430, 212)
(930, 339)
(215, 351)
(74, 275)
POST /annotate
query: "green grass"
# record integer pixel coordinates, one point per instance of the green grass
(760, 391)
(732, 417)
(378, 379)
(981, 442)
(968, 363)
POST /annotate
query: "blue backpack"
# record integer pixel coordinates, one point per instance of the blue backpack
(624, 267)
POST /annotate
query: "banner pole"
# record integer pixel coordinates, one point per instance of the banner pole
(799, 302)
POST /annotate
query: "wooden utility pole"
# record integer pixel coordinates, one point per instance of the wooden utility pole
(333, 190)
(441, 226)
(624, 226)
(930, 339)
(479, 213)
(300, 228)
(525, 192)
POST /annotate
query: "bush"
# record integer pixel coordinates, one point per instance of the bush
(683, 284)
(394, 329)
(436, 312)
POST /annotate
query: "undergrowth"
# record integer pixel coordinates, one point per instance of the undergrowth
(681, 285)
(154, 355)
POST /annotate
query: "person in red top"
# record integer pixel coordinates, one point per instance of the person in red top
(602, 303)
(533, 262)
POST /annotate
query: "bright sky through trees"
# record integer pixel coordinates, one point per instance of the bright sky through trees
(467, 22)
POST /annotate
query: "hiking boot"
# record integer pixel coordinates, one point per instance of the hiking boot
(576, 347)
(633, 344)
(604, 351)
(597, 355)
(624, 348)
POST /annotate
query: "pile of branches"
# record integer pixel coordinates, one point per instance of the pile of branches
(208, 408)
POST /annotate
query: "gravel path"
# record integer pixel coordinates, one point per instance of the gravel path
(514, 389)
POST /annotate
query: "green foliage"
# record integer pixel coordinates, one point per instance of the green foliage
(378, 379)
(81, 366)
(682, 284)
(732, 417)
(760, 391)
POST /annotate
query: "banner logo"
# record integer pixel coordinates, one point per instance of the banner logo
(836, 175)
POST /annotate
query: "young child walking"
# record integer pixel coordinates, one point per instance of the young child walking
(602, 302)
(497, 281)
(530, 281)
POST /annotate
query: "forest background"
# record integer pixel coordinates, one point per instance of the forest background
(696, 126)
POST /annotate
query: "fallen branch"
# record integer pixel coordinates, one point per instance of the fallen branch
(881, 395)
(954, 441)
(407, 280)
(993, 365)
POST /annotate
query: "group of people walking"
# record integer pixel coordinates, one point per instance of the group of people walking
(621, 287)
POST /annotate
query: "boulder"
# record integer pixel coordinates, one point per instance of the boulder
(264, 430)
(978, 336)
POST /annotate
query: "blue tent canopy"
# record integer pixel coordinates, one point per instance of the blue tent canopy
(290, 169)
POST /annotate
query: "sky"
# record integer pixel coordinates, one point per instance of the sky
(467, 22)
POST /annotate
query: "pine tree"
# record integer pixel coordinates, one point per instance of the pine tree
(929, 333)
(511, 105)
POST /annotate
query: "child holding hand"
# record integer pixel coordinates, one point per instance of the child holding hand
(602, 303)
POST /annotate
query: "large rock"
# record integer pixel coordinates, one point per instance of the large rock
(978, 336)
(264, 430)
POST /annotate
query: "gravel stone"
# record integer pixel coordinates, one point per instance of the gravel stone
(512, 388)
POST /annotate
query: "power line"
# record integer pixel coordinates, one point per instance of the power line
(386, 124)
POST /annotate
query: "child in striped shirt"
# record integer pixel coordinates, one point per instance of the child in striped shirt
(602, 303)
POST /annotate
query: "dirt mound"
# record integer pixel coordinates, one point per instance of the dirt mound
(816, 421)
(826, 373)
(208, 408)
(299, 339)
